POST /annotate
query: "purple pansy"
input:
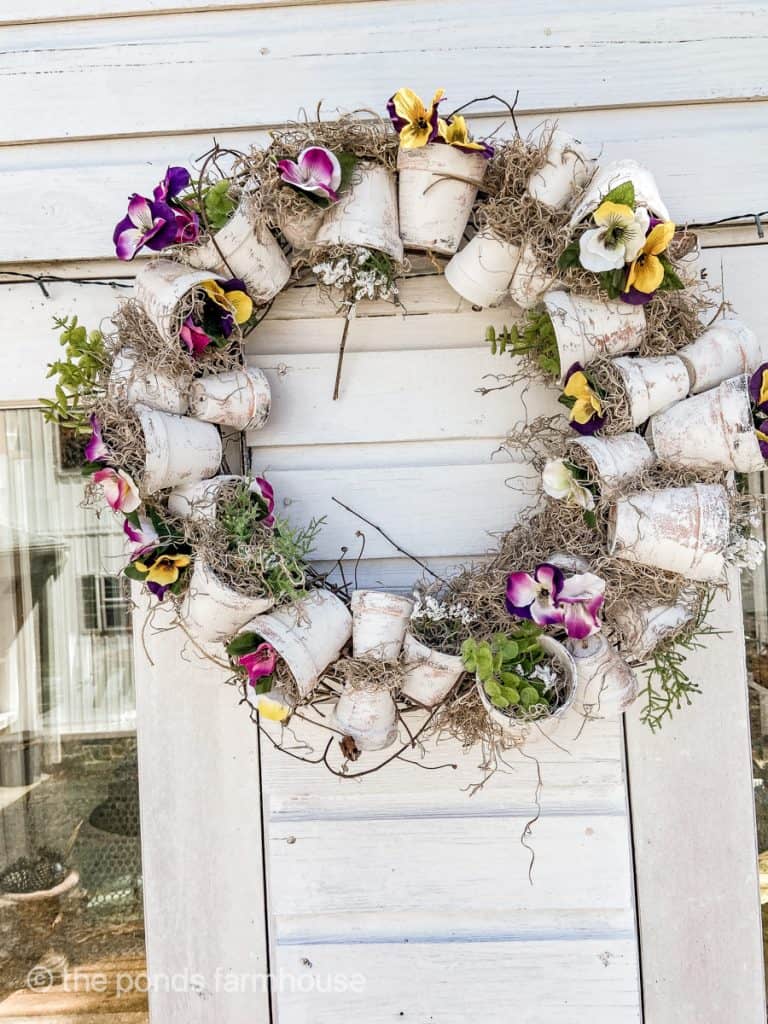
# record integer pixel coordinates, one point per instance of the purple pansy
(762, 438)
(147, 223)
(581, 598)
(535, 596)
(758, 388)
(633, 297)
(315, 170)
(96, 450)
(267, 494)
(157, 589)
(259, 663)
(175, 181)
(143, 538)
(227, 322)
(194, 337)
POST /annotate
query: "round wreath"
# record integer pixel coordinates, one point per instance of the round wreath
(665, 397)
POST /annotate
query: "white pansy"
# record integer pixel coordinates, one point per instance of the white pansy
(558, 482)
(612, 244)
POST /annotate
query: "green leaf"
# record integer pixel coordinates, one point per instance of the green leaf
(529, 696)
(624, 194)
(243, 643)
(510, 678)
(492, 688)
(590, 518)
(670, 282)
(347, 162)
(264, 685)
(500, 702)
(219, 205)
(133, 573)
(569, 257)
(511, 694)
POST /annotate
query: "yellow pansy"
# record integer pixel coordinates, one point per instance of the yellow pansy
(456, 133)
(235, 302)
(586, 402)
(762, 398)
(647, 271)
(273, 705)
(165, 569)
(415, 123)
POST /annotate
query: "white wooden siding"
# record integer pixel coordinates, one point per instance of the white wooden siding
(400, 877)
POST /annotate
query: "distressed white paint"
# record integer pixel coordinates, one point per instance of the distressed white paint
(400, 877)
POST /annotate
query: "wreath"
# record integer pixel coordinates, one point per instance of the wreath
(664, 395)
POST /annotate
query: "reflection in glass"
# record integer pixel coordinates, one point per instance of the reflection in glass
(70, 864)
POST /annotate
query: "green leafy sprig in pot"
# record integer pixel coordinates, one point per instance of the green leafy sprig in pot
(534, 339)
(85, 359)
(511, 671)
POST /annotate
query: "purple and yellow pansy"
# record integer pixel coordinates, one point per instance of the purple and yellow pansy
(583, 401)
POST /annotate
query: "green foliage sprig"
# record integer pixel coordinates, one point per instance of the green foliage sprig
(537, 340)
(667, 684)
(507, 669)
(85, 358)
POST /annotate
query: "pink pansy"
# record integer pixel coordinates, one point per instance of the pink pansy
(194, 337)
(267, 494)
(143, 538)
(581, 599)
(96, 450)
(120, 491)
(536, 596)
(147, 223)
(316, 170)
(259, 663)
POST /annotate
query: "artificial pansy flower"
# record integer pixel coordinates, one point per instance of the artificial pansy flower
(315, 170)
(454, 132)
(175, 181)
(758, 388)
(762, 438)
(162, 572)
(259, 663)
(559, 482)
(415, 124)
(586, 410)
(232, 299)
(97, 450)
(580, 599)
(617, 239)
(194, 337)
(647, 271)
(267, 495)
(147, 223)
(120, 492)
(142, 536)
(274, 705)
(535, 596)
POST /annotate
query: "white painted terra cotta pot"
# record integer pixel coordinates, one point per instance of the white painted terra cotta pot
(711, 430)
(587, 329)
(614, 460)
(724, 350)
(215, 611)
(568, 167)
(482, 271)
(521, 730)
(166, 290)
(308, 634)
(240, 399)
(429, 675)
(154, 390)
(643, 629)
(240, 250)
(300, 229)
(680, 529)
(198, 500)
(652, 383)
(179, 450)
(366, 214)
(616, 173)
(379, 622)
(436, 191)
(605, 684)
(529, 281)
(368, 715)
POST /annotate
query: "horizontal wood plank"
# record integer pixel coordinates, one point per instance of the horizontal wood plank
(37, 11)
(74, 193)
(536, 982)
(71, 79)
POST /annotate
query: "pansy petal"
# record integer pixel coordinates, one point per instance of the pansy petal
(645, 275)
(617, 214)
(550, 576)
(546, 613)
(578, 622)
(521, 590)
(290, 172)
(582, 586)
(659, 238)
(557, 479)
(242, 306)
(322, 165)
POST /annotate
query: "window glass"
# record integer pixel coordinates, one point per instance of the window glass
(71, 917)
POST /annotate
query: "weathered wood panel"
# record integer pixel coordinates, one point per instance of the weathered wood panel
(71, 80)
